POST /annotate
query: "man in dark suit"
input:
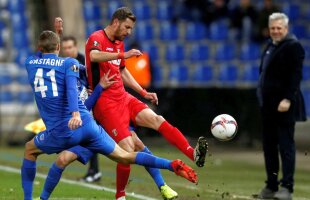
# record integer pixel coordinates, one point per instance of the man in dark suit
(281, 105)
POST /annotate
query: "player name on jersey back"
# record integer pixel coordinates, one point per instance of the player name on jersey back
(47, 61)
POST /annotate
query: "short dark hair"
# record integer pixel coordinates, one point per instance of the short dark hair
(48, 41)
(122, 14)
(68, 38)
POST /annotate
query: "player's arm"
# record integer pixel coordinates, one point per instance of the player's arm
(58, 25)
(104, 83)
(101, 56)
(72, 96)
(296, 58)
(129, 81)
(71, 77)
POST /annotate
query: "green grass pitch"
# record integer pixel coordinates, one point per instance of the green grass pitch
(228, 174)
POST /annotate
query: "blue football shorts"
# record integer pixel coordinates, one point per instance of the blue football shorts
(88, 139)
(84, 154)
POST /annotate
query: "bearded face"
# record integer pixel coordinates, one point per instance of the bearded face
(123, 29)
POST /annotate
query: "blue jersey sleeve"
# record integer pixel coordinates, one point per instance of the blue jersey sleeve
(72, 74)
(91, 100)
(72, 93)
(72, 67)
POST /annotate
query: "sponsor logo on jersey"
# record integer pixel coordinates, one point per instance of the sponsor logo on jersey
(109, 49)
(117, 61)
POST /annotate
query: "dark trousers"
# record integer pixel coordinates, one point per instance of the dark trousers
(93, 165)
(278, 137)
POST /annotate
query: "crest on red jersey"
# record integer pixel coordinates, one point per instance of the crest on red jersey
(96, 43)
(114, 132)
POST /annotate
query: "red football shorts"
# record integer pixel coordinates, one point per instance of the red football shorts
(115, 116)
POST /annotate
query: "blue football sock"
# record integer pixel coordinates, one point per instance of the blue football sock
(51, 181)
(148, 160)
(154, 172)
(28, 173)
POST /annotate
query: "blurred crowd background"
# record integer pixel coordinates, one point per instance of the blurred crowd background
(204, 55)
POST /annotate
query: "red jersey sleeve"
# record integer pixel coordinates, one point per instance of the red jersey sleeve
(95, 43)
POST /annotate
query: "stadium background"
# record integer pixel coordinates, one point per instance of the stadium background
(198, 71)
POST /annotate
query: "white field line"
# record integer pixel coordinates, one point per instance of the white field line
(87, 185)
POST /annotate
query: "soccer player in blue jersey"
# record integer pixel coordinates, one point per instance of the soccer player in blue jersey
(68, 123)
(81, 153)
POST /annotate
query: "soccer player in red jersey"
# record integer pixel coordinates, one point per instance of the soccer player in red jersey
(115, 108)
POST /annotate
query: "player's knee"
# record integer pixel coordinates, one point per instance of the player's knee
(139, 146)
(31, 151)
(153, 121)
(29, 147)
(127, 158)
(121, 158)
(64, 160)
(158, 120)
(127, 144)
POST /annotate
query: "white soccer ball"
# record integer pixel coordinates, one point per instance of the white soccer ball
(224, 127)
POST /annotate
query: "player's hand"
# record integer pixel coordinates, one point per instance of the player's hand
(89, 92)
(58, 26)
(106, 81)
(132, 52)
(75, 121)
(284, 105)
(152, 97)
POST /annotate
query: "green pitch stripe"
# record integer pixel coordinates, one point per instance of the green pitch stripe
(87, 185)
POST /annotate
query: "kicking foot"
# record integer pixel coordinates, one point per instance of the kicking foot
(200, 151)
(181, 169)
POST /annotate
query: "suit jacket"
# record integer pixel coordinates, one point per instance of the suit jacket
(281, 80)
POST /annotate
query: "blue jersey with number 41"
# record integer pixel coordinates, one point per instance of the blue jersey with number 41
(47, 77)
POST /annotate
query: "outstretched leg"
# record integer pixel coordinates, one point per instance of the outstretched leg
(148, 118)
(147, 160)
